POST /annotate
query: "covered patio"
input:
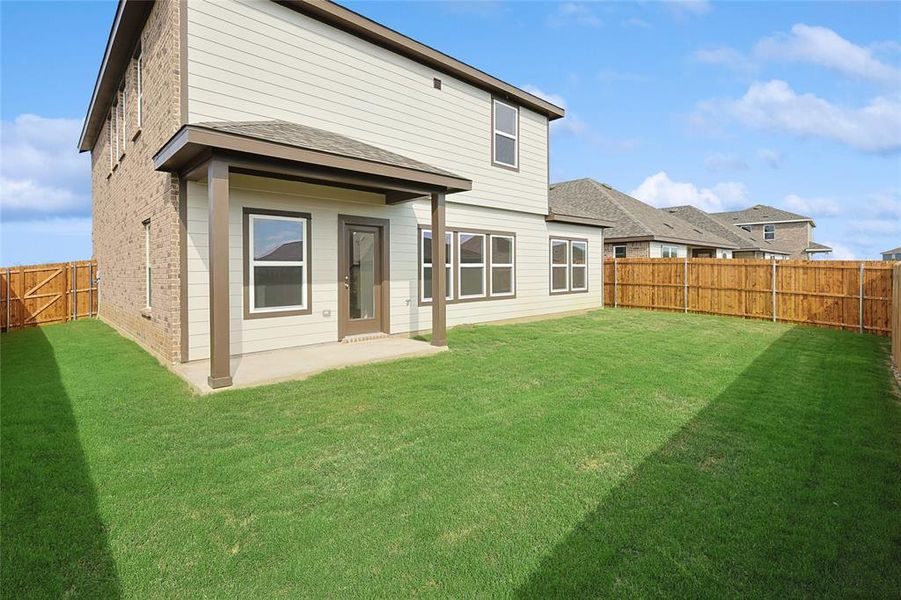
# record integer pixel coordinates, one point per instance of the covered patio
(211, 152)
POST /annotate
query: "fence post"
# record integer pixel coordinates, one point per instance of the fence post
(8, 301)
(685, 286)
(91, 290)
(74, 292)
(774, 290)
(860, 298)
(614, 284)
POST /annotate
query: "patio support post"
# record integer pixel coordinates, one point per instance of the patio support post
(439, 293)
(217, 189)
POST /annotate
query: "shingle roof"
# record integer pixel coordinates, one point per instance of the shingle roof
(819, 247)
(633, 218)
(892, 251)
(744, 240)
(760, 213)
(311, 138)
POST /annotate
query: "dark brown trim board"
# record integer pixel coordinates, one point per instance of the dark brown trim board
(518, 135)
(550, 270)
(183, 268)
(439, 304)
(220, 369)
(555, 218)
(308, 262)
(384, 274)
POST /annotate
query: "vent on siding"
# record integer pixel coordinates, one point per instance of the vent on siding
(437, 83)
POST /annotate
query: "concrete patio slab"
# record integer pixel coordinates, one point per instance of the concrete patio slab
(292, 364)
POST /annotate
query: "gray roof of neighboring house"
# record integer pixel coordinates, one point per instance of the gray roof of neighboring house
(818, 247)
(633, 218)
(760, 213)
(311, 138)
(744, 240)
(892, 251)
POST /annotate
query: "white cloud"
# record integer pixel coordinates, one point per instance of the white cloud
(693, 8)
(812, 207)
(727, 57)
(552, 98)
(824, 47)
(660, 191)
(839, 252)
(574, 13)
(771, 158)
(724, 162)
(41, 171)
(773, 105)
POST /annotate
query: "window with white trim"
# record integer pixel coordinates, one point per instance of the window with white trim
(502, 265)
(111, 139)
(425, 267)
(619, 252)
(278, 251)
(559, 266)
(148, 272)
(139, 87)
(122, 115)
(505, 141)
(769, 232)
(669, 251)
(471, 264)
(569, 265)
(578, 254)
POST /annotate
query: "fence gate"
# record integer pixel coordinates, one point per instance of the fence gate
(52, 293)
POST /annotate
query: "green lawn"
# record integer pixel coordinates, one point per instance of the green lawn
(619, 453)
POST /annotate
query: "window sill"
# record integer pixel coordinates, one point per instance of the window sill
(137, 134)
(147, 313)
(466, 300)
(567, 292)
(503, 166)
(121, 156)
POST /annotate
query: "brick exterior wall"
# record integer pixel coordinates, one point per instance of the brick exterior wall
(794, 237)
(633, 249)
(132, 192)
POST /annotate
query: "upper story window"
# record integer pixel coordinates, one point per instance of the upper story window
(122, 116)
(619, 252)
(769, 232)
(505, 135)
(139, 88)
(277, 261)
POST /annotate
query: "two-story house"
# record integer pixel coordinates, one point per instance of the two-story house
(270, 174)
(791, 231)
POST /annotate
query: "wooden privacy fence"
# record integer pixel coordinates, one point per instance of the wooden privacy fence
(848, 295)
(896, 315)
(52, 293)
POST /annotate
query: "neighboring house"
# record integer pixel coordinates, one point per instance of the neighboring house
(639, 230)
(272, 174)
(790, 230)
(748, 244)
(893, 254)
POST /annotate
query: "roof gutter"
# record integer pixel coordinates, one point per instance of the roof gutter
(674, 240)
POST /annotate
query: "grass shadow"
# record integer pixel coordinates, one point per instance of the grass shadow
(776, 488)
(54, 542)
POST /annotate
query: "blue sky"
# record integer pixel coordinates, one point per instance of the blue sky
(721, 105)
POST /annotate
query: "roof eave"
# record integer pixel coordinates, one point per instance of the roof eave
(123, 38)
(192, 142)
(591, 222)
